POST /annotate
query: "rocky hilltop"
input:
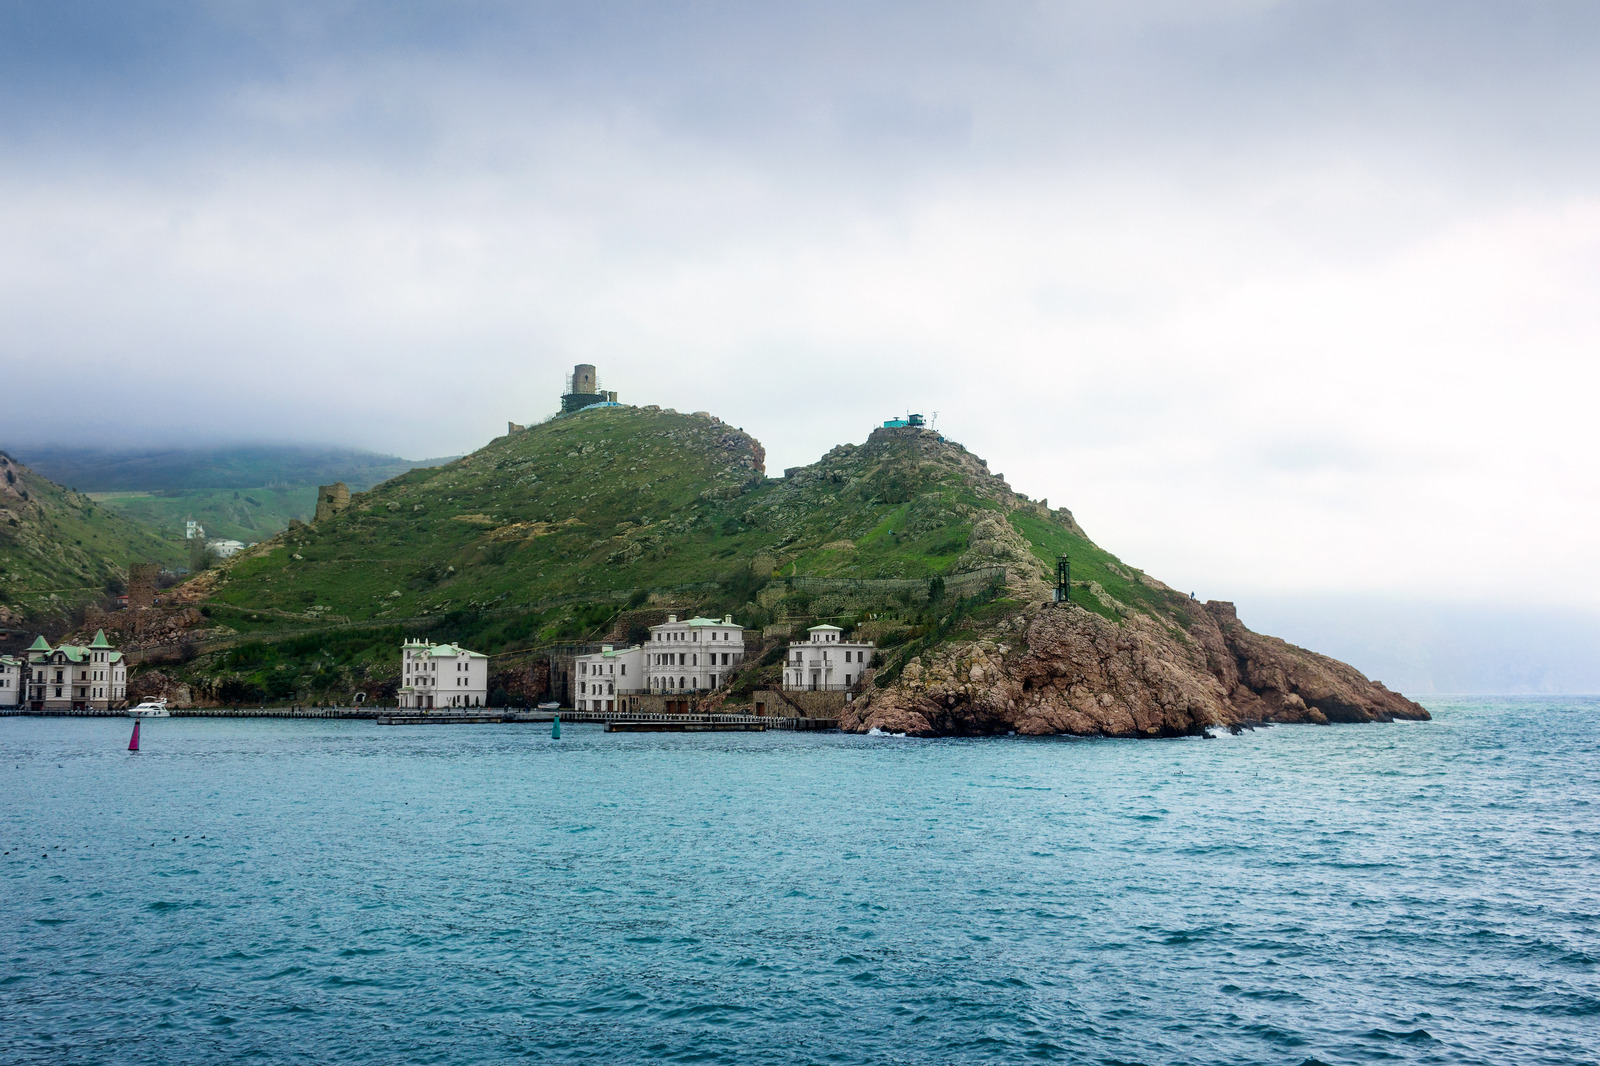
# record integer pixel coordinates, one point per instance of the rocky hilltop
(578, 528)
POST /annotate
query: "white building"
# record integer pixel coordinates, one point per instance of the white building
(599, 677)
(442, 675)
(10, 682)
(692, 656)
(825, 663)
(75, 677)
(226, 549)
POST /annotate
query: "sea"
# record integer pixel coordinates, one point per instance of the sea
(265, 891)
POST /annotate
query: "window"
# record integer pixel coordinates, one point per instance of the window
(846, 679)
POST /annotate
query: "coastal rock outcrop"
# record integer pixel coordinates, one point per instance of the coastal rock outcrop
(157, 684)
(1060, 669)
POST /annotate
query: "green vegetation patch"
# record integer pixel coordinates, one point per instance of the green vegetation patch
(1091, 563)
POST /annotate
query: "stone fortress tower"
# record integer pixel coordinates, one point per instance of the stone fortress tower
(331, 499)
(583, 390)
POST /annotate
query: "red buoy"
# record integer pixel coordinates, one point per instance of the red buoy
(133, 744)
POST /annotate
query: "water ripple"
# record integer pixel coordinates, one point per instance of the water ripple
(334, 892)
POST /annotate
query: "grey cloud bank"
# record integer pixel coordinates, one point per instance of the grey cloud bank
(1281, 298)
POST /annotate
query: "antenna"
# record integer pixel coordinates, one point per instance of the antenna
(936, 420)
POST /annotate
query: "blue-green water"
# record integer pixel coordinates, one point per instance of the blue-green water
(344, 892)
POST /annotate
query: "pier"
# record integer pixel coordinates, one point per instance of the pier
(686, 727)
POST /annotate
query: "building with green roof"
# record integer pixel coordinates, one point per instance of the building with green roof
(440, 676)
(824, 662)
(694, 655)
(75, 677)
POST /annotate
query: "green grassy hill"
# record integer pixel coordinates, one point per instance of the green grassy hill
(59, 549)
(250, 515)
(623, 499)
(549, 533)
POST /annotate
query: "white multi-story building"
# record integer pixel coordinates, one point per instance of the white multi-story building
(825, 663)
(600, 677)
(692, 656)
(442, 675)
(226, 549)
(75, 677)
(10, 682)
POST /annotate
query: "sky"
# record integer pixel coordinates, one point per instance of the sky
(1291, 303)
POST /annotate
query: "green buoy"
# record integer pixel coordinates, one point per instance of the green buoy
(555, 728)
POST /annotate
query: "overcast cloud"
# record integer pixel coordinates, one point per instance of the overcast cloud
(1280, 298)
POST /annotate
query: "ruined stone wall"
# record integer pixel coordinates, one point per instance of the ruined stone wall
(331, 499)
(817, 704)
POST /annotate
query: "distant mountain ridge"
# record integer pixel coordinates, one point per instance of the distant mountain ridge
(244, 466)
(239, 492)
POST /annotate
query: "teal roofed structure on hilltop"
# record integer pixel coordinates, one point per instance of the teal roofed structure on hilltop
(911, 421)
(583, 390)
(912, 426)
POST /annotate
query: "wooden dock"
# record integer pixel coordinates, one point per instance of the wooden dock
(441, 719)
(686, 727)
(803, 725)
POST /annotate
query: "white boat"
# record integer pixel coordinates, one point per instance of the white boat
(150, 708)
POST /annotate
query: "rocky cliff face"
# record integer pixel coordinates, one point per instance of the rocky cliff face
(1062, 669)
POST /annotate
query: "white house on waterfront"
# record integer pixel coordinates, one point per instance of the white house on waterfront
(692, 656)
(75, 677)
(599, 677)
(824, 663)
(433, 676)
(10, 682)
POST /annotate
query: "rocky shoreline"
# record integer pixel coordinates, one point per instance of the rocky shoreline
(1059, 669)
